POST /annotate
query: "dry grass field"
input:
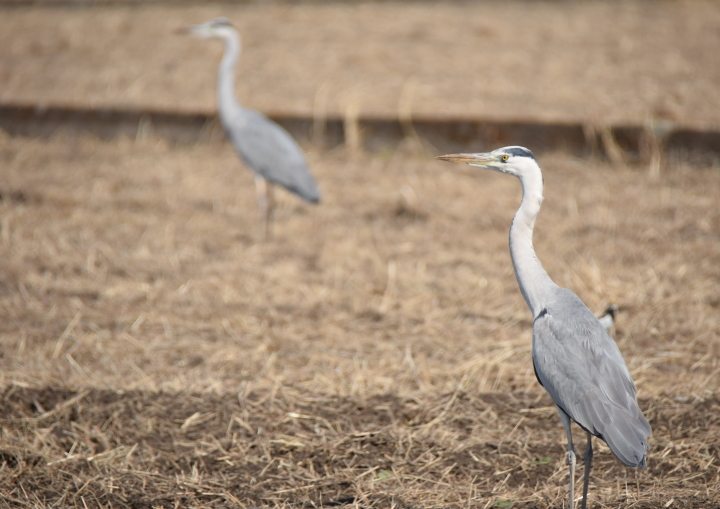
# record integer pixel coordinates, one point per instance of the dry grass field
(587, 61)
(376, 353)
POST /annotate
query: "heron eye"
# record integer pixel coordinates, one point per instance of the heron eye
(505, 158)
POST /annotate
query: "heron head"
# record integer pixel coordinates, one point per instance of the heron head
(517, 161)
(215, 28)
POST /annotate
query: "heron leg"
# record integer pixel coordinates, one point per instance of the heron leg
(565, 418)
(264, 199)
(588, 464)
(271, 209)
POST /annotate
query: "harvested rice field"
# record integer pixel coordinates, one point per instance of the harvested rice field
(624, 62)
(375, 353)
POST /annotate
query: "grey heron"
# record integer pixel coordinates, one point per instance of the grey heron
(263, 145)
(575, 359)
(607, 319)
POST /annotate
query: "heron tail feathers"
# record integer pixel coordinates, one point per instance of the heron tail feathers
(627, 438)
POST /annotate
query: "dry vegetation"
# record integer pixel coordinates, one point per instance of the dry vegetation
(588, 61)
(375, 353)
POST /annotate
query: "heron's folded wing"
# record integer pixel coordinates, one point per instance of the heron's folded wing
(271, 152)
(582, 369)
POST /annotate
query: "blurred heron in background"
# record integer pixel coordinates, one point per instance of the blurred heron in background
(607, 319)
(263, 145)
(575, 359)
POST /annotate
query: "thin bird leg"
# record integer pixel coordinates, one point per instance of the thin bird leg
(263, 199)
(588, 464)
(271, 209)
(565, 418)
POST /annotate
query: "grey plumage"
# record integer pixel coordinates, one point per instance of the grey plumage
(607, 319)
(575, 358)
(263, 145)
(580, 366)
(271, 152)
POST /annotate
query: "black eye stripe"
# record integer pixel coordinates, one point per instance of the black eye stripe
(221, 22)
(520, 152)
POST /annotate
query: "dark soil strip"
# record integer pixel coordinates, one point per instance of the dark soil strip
(635, 144)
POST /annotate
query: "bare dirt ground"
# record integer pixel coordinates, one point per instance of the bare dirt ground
(376, 353)
(597, 62)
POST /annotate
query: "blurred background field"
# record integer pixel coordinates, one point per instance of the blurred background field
(375, 353)
(609, 62)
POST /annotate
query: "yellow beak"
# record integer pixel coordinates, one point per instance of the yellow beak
(184, 29)
(474, 159)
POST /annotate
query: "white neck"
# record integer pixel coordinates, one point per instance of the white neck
(534, 282)
(226, 73)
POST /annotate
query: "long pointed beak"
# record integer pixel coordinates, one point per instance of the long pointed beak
(474, 159)
(184, 29)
